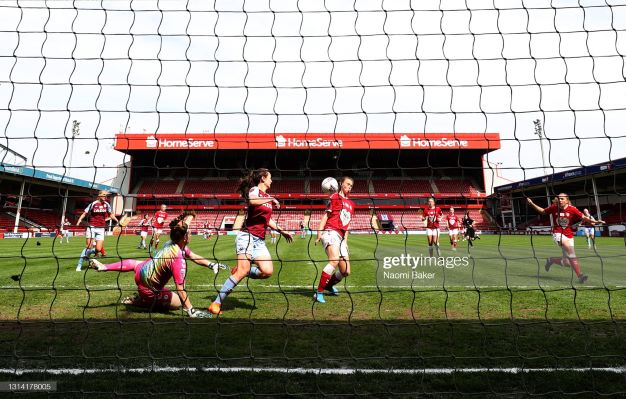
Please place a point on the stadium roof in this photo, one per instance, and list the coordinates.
(40, 174)
(125, 142)
(585, 171)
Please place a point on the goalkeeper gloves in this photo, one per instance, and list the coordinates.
(197, 314)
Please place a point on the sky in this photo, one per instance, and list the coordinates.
(313, 66)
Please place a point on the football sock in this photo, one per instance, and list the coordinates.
(125, 265)
(334, 279)
(326, 274)
(84, 255)
(226, 289)
(573, 262)
(556, 260)
(255, 273)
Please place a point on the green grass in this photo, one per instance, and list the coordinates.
(501, 310)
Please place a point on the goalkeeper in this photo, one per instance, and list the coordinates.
(153, 274)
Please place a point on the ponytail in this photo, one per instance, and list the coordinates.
(253, 178)
(178, 229)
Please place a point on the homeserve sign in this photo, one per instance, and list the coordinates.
(152, 142)
(406, 141)
(318, 142)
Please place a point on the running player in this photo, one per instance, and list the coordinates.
(302, 230)
(589, 230)
(206, 230)
(453, 228)
(433, 216)
(564, 214)
(250, 241)
(158, 221)
(333, 233)
(144, 225)
(98, 212)
(64, 231)
(151, 275)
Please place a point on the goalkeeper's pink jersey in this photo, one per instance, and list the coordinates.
(169, 262)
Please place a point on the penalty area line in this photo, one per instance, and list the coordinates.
(318, 371)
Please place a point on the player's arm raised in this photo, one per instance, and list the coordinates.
(537, 208)
(288, 236)
(591, 220)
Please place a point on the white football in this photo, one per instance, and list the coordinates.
(330, 185)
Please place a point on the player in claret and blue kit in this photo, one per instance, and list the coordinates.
(564, 215)
(98, 212)
(333, 233)
(250, 241)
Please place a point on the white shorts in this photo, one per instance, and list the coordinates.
(453, 232)
(96, 233)
(331, 237)
(432, 232)
(63, 232)
(559, 239)
(144, 234)
(590, 231)
(251, 245)
(157, 231)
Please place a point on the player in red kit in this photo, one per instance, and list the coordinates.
(158, 221)
(250, 241)
(564, 215)
(333, 233)
(453, 228)
(433, 215)
(98, 212)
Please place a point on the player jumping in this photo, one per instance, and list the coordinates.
(433, 217)
(98, 213)
(453, 228)
(158, 221)
(144, 225)
(151, 275)
(250, 242)
(564, 214)
(333, 232)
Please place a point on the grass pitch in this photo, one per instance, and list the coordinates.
(496, 308)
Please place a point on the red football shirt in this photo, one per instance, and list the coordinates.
(563, 219)
(159, 219)
(432, 217)
(340, 211)
(98, 212)
(258, 216)
(453, 221)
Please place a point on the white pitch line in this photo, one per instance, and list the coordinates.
(318, 371)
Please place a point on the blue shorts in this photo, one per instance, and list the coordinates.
(251, 245)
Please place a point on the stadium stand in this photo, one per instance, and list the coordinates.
(210, 187)
(289, 220)
(456, 187)
(402, 186)
(288, 186)
(158, 187)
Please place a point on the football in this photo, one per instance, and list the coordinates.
(330, 185)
